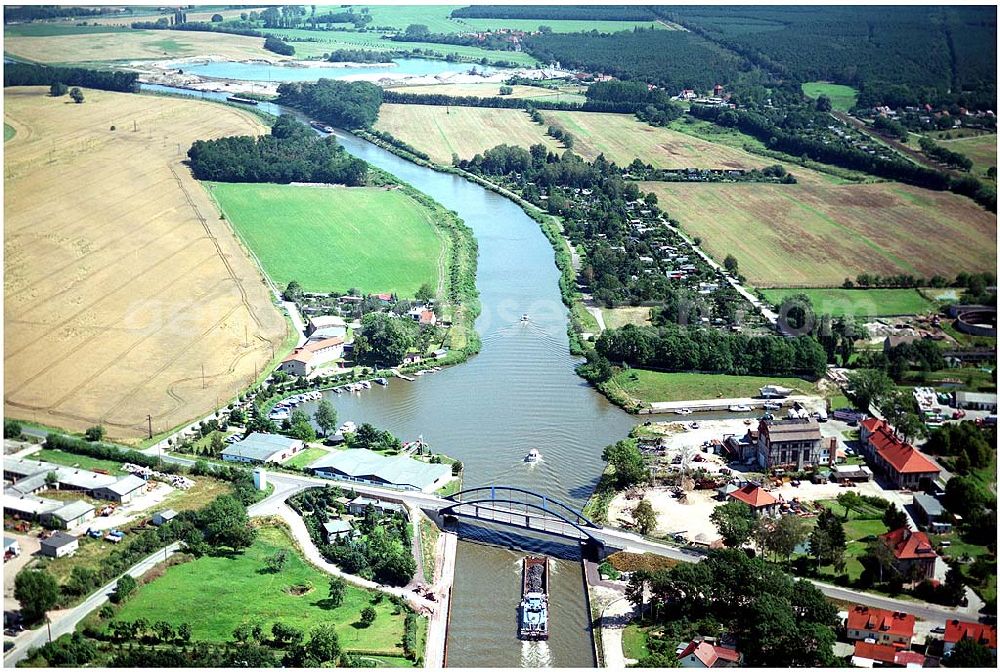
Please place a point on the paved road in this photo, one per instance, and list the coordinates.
(71, 618)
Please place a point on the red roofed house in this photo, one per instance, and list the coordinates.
(881, 625)
(955, 631)
(914, 555)
(903, 465)
(762, 502)
(699, 653)
(870, 654)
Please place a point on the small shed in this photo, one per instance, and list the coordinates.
(336, 529)
(163, 517)
(11, 546)
(59, 545)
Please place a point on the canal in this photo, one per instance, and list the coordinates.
(519, 393)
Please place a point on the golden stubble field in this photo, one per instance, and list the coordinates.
(122, 286)
(815, 235)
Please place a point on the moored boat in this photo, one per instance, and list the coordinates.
(242, 101)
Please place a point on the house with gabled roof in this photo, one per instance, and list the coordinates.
(880, 625)
(914, 556)
(757, 498)
(703, 653)
(983, 633)
(903, 465)
(873, 654)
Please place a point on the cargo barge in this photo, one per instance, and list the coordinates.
(320, 126)
(533, 612)
(244, 101)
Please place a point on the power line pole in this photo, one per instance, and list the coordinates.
(149, 419)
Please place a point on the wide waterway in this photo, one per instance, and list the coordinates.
(265, 72)
(519, 393)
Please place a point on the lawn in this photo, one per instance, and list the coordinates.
(863, 303)
(51, 29)
(306, 457)
(333, 239)
(651, 386)
(619, 317)
(859, 526)
(634, 641)
(817, 234)
(81, 461)
(204, 491)
(216, 593)
(8, 132)
(841, 97)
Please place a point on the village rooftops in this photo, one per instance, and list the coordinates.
(871, 619)
(909, 545)
(955, 631)
(754, 495)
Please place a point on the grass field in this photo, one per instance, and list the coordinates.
(634, 641)
(121, 285)
(619, 317)
(378, 240)
(438, 20)
(466, 131)
(53, 29)
(216, 593)
(818, 234)
(568, 94)
(8, 132)
(306, 457)
(120, 45)
(859, 302)
(841, 97)
(650, 386)
(982, 150)
(74, 460)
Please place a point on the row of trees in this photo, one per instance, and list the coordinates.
(679, 348)
(291, 153)
(945, 155)
(24, 74)
(278, 46)
(555, 12)
(349, 105)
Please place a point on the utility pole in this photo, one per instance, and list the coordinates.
(149, 419)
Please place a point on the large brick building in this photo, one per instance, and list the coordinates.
(794, 444)
(913, 554)
(902, 465)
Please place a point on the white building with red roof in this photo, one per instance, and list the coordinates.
(303, 361)
(903, 465)
(955, 631)
(757, 498)
(880, 625)
(701, 653)
(913, 554)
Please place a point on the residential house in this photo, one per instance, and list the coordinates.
(704, 653)
(793, 444)
(873, 654)
(336, 529)
(123, 491)
(365, 466)
(259, 448)
(59, 545)
(903, 465)
(932, 513)
(893, 341)
(914, 555)
(357, 506)
(762, 502)
(69, 515)
(955, 631)
(880, 625)
(163, 517)
(976, 401)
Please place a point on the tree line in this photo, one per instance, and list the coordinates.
(291, 153)
(25, 74)
(360, 56)
(793, 142)
(556, 12)
(624, 107)
(945, 155)
(27, 13)
(349, 105)
(278, 46)
(680, 348)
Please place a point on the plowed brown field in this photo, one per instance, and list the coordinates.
(122, 286)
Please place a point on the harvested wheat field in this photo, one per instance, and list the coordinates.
(815, 235)
(121, 284)
(135, 45)
(466, 131)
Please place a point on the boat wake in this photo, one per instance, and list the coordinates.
(536, 654)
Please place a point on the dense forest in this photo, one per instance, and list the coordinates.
(346, 104)
(680, 348)
(930, 54)
(579, 13)
(291, 153)
(24, 74)
(25, 13)
(667, 58)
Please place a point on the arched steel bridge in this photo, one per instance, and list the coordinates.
(517, 507)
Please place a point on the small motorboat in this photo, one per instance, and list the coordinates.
(748, 421)
(524, 317)
(533, 456)
(348, 428)
(695, 425)
(772, 405)
(683, 411)
(740, 408)
(382, 381)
